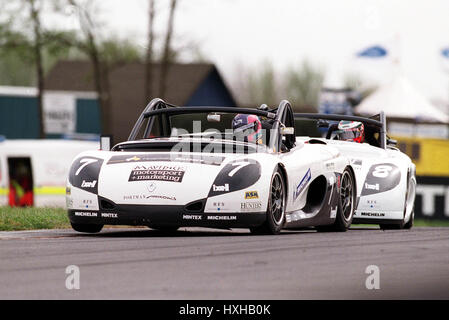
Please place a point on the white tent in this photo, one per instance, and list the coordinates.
(400, 99)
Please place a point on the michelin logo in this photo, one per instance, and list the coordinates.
(300, 187)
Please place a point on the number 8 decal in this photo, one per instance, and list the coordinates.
(382, 171)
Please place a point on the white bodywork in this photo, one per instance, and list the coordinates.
(370, 162)
(142, 178)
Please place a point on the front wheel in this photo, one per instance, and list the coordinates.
(276, 207)
(89, 228)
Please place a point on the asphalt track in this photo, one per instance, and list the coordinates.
(221, 264)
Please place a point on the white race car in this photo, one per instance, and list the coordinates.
(228, 167)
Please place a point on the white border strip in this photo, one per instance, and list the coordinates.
(32, 92)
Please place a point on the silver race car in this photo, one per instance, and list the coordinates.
(229, 167)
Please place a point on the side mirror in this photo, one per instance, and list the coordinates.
(105, 142)
(287, 130)
(213, 117)
(392, 142)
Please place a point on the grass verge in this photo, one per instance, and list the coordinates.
(13, 219)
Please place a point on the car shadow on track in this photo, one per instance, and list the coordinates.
(184, 232)
(201, 232)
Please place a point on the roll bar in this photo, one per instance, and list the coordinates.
(158, 106)
(381, 123)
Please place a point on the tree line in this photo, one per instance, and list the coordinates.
(28, 49)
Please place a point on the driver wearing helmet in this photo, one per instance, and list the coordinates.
(248, 127)
(351, 131)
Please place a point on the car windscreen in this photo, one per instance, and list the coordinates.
(248, 128)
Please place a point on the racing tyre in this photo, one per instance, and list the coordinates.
(276, 207)
(346, 204)
(89, 228)
(409, 224)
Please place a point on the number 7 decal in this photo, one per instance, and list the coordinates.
(86, 162)
(239, 165)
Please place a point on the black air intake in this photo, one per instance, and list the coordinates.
(195, 206)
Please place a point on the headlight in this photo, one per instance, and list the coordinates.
(236, 175)
(84, 173)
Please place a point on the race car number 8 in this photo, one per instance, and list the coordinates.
(382, 171)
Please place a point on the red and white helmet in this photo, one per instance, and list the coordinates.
(248, 126)
(351, 131)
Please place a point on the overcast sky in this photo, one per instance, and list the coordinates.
(326, 32)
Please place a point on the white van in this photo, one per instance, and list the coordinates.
(48, 163)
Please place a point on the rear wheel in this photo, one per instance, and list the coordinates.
(276, 207)
(89, 228)
(346, 204)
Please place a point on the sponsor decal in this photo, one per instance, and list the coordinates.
(109, 215)
(169, 157)
(251, 205)
(144, 196)
(84, 163)
(219, 205)
(192, 217)
(84, 173)
(85, 214)
(330, 166)
(372, 214)
(372, 186)
(68, 191)
(224, 188)
(87, 184)
(162, 197)
(371, 203)
(381, 178)
(87, 203)
(157, 172)
(251, 195)
(301, 185)
(239, 175)
(221, 217)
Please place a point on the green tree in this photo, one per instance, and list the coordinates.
(27, 42)
(303, 85)
(104, 54)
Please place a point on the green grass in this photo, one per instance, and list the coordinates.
(12, 219)
(416, 223)
(431, 223)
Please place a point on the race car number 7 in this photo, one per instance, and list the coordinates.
(86, 162)
(382, 171)
(239, 165)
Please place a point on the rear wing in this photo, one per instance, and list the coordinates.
(381, 124)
